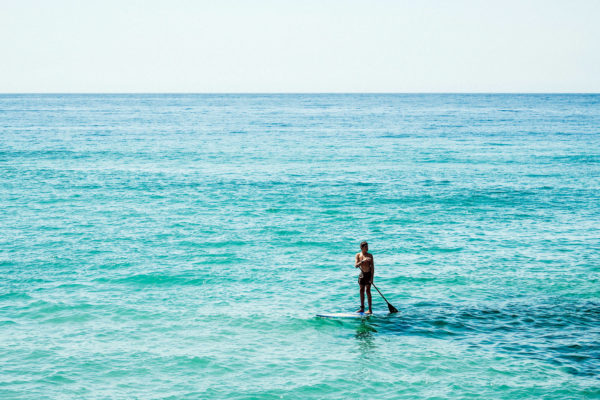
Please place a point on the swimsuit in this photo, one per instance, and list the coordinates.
(365, 277)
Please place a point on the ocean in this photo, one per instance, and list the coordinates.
(176, 246)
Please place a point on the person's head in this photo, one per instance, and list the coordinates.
(364, 247)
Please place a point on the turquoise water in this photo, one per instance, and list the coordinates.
(179, 246)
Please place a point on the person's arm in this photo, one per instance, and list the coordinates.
(358, 263)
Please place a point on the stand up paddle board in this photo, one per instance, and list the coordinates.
(352, 314)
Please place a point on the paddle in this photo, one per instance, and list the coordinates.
(390, 307)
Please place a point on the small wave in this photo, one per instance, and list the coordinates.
(58, 378)
(15, 296)
(158, 279)
(395, 136)
(411, 279)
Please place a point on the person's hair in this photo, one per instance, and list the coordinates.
(363, 244)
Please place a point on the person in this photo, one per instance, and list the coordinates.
(364, 261)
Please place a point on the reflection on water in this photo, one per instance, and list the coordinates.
(365, 339)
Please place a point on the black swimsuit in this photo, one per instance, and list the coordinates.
(365, 277)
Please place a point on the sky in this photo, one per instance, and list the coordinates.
(258, 46)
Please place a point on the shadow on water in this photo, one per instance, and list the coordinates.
(566, 335)
(365, 338)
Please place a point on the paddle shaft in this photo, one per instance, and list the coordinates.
(390, 307)
(380, 293)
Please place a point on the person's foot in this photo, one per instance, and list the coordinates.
(370, 312)
(360, 310)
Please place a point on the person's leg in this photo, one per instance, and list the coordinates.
(368, 288)
(362, 299)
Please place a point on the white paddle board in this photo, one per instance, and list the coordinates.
(351, 314)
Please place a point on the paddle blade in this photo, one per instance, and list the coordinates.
(392, 308)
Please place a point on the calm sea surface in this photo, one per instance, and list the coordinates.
(179, 246)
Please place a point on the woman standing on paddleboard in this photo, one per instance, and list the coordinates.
(364, 261)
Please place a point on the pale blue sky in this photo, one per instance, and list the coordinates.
(299, 46)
